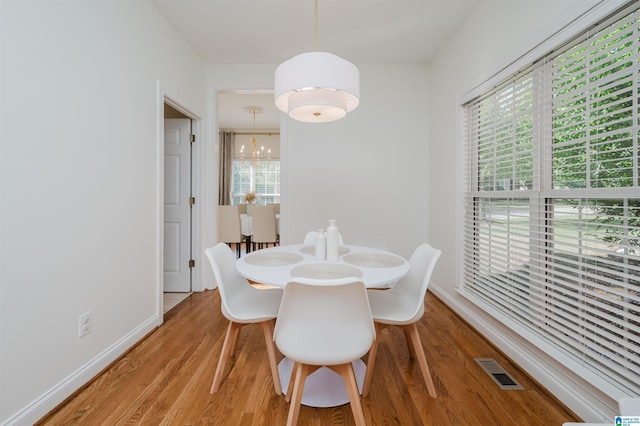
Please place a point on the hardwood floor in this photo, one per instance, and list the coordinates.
(165, 379)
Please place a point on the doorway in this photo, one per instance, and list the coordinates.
(179, 199)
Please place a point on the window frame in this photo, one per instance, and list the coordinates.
(539, 194)
(254, 172)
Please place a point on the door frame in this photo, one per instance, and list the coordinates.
(196, 129)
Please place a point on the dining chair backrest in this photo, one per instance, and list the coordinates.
(229, 226)
(235, 290)
(327, 324)
(414, 285)
(264, 224)
(276, 207)
(310, 238)
(324, 324)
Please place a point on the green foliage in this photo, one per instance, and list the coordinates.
(594, 135)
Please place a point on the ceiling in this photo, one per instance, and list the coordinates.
(231, 114)
(272, 31)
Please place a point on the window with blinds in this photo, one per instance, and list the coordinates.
(552, 201)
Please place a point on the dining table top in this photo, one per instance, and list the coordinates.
(279, 265)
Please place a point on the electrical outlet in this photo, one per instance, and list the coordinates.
(84, 324)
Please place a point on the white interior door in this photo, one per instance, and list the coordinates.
(177, 206)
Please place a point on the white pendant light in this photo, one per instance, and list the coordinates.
(317, 87)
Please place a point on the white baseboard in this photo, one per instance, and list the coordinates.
(57, 394)
(579, 396)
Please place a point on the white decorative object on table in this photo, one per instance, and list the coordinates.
(321, 245)
(332, 241)
(250, 198)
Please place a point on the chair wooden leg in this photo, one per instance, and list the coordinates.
(267, 327)
(234, 339)
(301, 372)
(371, 361)
(410, 348)
(412, 330)
(349, 377)
(225, 353)
(287, 396)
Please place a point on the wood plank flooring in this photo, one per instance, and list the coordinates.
(165, 380)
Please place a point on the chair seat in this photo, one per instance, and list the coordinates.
(394, 308)
(253, 305)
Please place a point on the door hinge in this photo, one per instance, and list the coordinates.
(192, 138)
(192, 201)
(192, 263)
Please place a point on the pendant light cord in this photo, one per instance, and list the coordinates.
(316, 25)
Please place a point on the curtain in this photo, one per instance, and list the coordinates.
(227, 144)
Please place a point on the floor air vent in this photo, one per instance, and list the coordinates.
(498, 374)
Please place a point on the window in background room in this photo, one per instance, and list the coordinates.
(261, 178)
(552, 203)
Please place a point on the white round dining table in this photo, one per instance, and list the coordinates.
(279, 265)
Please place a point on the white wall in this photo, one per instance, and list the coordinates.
(79, 174)
(368, 171)
(497, 32)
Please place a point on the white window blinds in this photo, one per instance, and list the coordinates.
(552, 202)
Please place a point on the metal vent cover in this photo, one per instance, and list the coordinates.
(498, 374)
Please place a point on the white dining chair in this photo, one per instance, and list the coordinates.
(403, 306)
(264, 226)
(276, 207)
(242, 304)
(310, 238)
(230, 228)
(324, 325)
